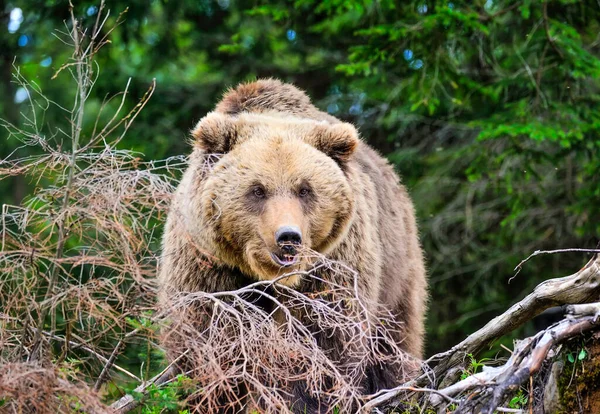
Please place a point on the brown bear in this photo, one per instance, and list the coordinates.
(288, 175)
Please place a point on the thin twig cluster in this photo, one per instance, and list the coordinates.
(247, 355)
(78, 256)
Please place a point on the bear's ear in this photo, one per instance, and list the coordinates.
(215, 133)
(336, 140)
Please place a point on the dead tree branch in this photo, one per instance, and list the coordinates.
(77, 258)
(494, 383)
(577, 288)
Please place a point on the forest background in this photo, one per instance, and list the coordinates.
(489, 110)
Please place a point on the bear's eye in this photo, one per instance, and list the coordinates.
(304, 192)
(258, 192)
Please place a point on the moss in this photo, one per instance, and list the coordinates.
(579, 381)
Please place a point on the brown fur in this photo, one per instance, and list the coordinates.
(357, 212)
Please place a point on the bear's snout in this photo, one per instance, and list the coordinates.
(288, 236)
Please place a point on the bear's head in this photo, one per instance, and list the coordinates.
(278, 190)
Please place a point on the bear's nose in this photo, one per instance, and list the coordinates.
(287, 235)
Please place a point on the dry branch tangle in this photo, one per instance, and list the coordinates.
(77, 262)
(231, 350)
(494, 382)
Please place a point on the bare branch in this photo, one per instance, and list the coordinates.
(576, 288)
(526, 360)
(539, 252)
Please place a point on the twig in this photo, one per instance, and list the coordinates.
(77, 345)
(539, 252)
(547, 29)
(383, 396)
(111, 360)
(128, 402)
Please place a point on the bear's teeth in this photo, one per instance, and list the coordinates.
(284, 259)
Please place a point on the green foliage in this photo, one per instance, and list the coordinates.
(143, 321)
(474, 367)
(519, 400)
(69, 368)
(416, 409)
(165, 399)
(580, 355)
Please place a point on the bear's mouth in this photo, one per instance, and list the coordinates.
(285, 259)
